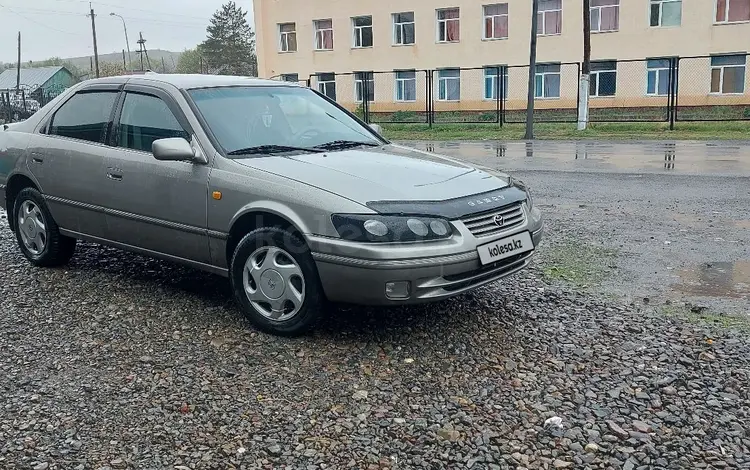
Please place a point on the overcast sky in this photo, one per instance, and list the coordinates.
(60, 28)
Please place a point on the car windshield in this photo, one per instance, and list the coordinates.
(271, 119)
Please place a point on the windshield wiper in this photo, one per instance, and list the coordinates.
(270, 149)
(345, 144)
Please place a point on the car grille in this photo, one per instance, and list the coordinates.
(483, 225)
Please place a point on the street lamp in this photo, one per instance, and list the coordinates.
(127, 43)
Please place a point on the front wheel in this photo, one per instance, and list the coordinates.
(37, 233)
(275, 282)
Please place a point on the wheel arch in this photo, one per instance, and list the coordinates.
(252, 218)
(16, 183)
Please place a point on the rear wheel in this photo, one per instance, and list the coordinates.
(37, 233)
(275, 282)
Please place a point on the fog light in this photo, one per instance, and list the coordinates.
(397, 290)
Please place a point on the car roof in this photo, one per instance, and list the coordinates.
(190, 81)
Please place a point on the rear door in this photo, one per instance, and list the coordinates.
(67, 159)
(156, 205)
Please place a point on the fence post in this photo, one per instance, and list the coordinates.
(430, 91)
(502, 94)
(674, 90)
(498, 87)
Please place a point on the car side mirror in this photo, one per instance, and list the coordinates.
(376, 127)
(174, 149)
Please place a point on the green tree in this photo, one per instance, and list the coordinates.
(190, 61)
(230, 46)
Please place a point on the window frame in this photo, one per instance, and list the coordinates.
(369, 76)
(726, 14)
(494, 18)
(322, 85)
(320, 33)
(109, 126)
(722, 69)
(284, 38)
(599, 9)
(441, 25)
(155, 93)
(598, 78)
(446, 79)
(661, 3)
(658, 71)
(544, 81)
(358, 30)
(397, 26)
(502, 72)
(400, 84)
(544, 21)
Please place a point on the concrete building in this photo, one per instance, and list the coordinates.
(340, 42)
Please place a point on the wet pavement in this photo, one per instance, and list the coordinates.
(683, 157)
(676, 213)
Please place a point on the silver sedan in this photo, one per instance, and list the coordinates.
(270, 184)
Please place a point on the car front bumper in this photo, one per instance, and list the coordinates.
(362, 279)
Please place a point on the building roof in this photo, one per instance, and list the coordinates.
(30, 78)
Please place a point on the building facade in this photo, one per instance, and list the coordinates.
(478, 50)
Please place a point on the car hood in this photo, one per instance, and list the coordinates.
(388, 173)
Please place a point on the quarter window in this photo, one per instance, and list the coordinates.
(85, 116)
(145, 119)
(666, 12)
(406, 85)
(731, 11)
(403, 28)
(449, 85)
(327, 84)
(323, 35)
(288, 37)
(549, 17)
(547, 81)
(605, 15)
(448, 25)
(657, 82)
(603, 78)
(364, 83)
(728, 74)
(362, 26)
(496, 21)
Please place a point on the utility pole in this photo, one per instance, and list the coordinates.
(163, 66)
(124, 64)
(18, 65)
(532, 72)
(583, 90)
(143, 50)
(93, 32)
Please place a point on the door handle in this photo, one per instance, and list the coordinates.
(114, 174)
(36, 159)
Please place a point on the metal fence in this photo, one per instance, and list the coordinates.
(700, 88)
(19, 104)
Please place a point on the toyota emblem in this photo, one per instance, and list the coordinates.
(499, 220)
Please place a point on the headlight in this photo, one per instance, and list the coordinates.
(377, 228)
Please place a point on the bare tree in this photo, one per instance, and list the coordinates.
(532, 72)
(583, 90)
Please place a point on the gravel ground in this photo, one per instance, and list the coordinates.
(123, 362)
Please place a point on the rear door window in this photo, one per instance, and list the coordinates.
(144, 119)
(85, 116)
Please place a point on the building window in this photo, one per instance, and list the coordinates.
(449, 85)
(403, 28)
(547, 81)
(290, 77)
(732, 11)
(362, 27)
(288, 37)
(496, 21)
(364, 81)
(603, 78)
(323, 35)
(493, 86)
(448, 25)
(728, 74)
(658, 77)
(605, 15)
(666, 12)
(327, 84)
(549, 18)
(406, 85)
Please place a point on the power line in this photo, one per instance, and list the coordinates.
(38, 23)
(134, 9)
(38, 11)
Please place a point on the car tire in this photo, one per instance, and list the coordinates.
(275, 282)
(37, 232)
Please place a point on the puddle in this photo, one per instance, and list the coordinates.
(721, 279)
